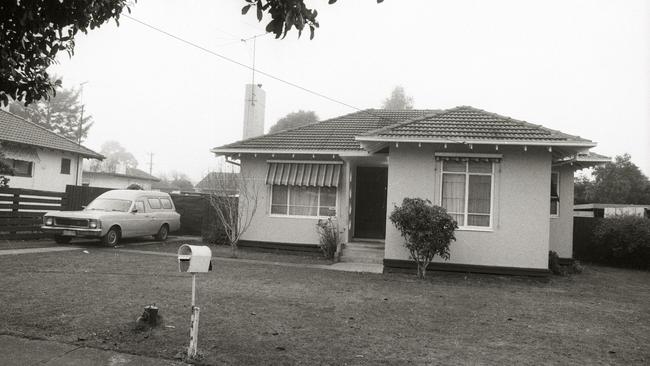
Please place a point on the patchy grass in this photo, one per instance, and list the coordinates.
(265, 314)
(243, 253)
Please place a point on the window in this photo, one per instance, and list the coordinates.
(303, 201)
(154, 203)
(139, 205)
(21, 168)
(467, 192)
(166, 203)
(555, 194)
(65, 166)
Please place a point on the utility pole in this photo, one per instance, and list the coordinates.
(150, 163)
(80, 131)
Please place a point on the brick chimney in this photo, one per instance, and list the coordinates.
(254, 103)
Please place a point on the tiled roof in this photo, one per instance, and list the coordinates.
(334, 134)
(216, 181)
(18, 130)
(130, 173)
(468, 124)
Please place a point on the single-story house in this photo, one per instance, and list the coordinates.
(41, 159)
(120, 178)
(508, 184)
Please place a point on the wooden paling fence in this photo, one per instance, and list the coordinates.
(21, 211)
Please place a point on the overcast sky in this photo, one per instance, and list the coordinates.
(582, 67)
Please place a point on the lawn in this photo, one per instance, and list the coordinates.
(266, 314)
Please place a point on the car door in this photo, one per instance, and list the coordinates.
(139, 219)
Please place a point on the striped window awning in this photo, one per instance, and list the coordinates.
(304, 174)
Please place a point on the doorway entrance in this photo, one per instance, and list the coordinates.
(370, 203)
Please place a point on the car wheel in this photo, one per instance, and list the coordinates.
(162, 233)
(62, 239)
(112, 237)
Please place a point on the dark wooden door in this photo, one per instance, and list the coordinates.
(370, 203)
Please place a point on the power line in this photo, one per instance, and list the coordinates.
(253, 69)
(240, 63)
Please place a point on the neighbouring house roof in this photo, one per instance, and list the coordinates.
(471, 125)
(132, 173)
(590, 206)
(350, 132)
(332, 135)
(215, 181)
(18, 130)
(584, 160)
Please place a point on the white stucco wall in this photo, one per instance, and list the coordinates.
(291, 230)
(520, 234)
(561, 230)
(107, 181)
(46, 172)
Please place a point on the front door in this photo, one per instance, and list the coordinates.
(370, 204)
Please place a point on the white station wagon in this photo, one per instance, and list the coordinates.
(114, 215)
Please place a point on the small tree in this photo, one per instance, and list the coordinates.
(427, 229)
(235, 212)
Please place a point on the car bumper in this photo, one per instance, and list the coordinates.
(66, 231)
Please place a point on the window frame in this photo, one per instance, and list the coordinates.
(69, 166)
(287, 215)
(156, 199)
(466, 213)
(12, 164)
(557, 184)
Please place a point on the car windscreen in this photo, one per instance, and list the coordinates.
(109, 204)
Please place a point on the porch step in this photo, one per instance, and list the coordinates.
(363, 252)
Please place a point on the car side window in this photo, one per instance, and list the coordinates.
(154, 203)
(166, 203)
(139, 205)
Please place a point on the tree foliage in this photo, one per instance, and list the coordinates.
(293, 120)
(60, 114)
(620, 181)
(115, 155)
(285, 15)
(427, 229)
(33, 32)
(398, 100)
(622, 240)
(4, 169)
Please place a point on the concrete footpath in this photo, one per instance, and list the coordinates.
(17, 351)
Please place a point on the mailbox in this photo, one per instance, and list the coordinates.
(194, 258)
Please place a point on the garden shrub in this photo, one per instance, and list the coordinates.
(328, 232)
(623, 241)
(427, 229)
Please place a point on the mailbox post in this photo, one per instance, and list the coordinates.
(194, 259)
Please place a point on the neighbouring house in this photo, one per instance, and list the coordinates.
(508, 184)
(41, 159)
(610, 209)
(120, 178)
(219, 183)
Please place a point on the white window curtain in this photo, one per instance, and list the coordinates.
(467, 191)
(303, 201)
(453, 196)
